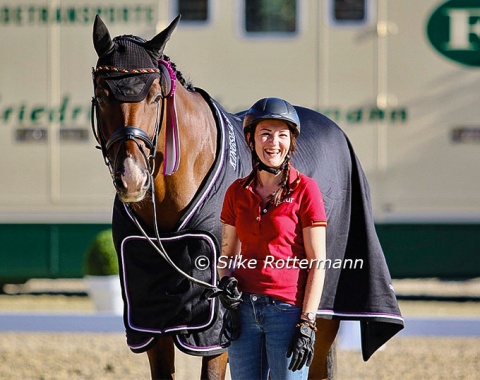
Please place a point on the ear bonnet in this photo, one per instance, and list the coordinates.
(130, 64)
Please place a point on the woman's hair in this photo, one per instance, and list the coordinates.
(278, 196)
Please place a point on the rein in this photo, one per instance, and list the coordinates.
(135, 134)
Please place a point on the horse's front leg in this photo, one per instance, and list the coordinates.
(214, 367)
(162, 359)
(321, 367)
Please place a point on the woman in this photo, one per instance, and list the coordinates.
(273, 242)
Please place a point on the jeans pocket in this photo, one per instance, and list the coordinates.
(286, 307)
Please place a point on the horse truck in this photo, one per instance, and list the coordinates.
(400, 77)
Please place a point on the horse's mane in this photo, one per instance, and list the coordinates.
(184, 82)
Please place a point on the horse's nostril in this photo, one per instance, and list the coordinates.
(146, 184)
(118, 179)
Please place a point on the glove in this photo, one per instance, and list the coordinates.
(301, 348)
(231, 298)
(229, 295)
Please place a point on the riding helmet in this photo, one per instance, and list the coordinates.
(272, 108)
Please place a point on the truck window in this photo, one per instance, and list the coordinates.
(271, 16)
(349, 12)
(193, 10)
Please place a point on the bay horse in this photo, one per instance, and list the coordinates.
(172, 151)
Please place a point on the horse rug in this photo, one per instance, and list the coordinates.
(157, 299)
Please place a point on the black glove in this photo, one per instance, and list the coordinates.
(231, 298)
(229, 295)
(301, 348)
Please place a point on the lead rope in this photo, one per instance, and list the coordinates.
(230, 323)
(158, 246)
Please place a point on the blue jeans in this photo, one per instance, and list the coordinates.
(267, 329)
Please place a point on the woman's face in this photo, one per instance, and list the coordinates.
(272, 142)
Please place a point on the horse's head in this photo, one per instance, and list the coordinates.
(131, 85)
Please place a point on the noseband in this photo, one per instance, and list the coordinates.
(137, 135)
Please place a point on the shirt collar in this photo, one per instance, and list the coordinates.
(294, 179)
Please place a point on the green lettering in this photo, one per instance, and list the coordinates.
(333, 113)
(59, 115)
(35, 115)
(6, 113)
(125, 14)
(44, 15)
(28, 14)
(376, 114)
(31, 15)
(58, 15)
(149, 15)
(75, 113)
(72, 15)
(398, 115)
(21, 113)
(5, 15)
(99, 12)
(355, 116)
(111, 14)
(85, 15)
(138, 13)
(18, 15)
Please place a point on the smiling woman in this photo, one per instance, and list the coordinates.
(272, 142)
(291, 225)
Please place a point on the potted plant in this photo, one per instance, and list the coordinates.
(101, 273)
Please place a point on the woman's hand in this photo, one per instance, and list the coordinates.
(301, 348)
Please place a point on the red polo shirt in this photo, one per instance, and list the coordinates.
(273, 260)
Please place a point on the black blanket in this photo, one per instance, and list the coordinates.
(159, 300)
(358, 284)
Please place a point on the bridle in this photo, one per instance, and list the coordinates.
(132, 133)
(137, 135)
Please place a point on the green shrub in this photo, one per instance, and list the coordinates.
(101, 258)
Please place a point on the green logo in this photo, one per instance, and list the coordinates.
(454, 31)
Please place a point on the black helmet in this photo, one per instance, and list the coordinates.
(272, 108)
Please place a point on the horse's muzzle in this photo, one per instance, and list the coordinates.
(131, 181)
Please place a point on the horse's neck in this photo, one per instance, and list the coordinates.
(198, 139)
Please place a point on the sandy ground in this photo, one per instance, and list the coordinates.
(45, 356)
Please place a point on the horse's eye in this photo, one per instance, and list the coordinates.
(101, 96)
(156, 99)
(100, 100)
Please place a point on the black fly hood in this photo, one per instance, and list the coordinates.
(129, 70)
(129, 65)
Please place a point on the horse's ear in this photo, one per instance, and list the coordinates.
(101, 38)
(156, 45)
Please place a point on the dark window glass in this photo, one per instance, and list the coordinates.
(349, 10)
(193, 10)
(263, 16)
